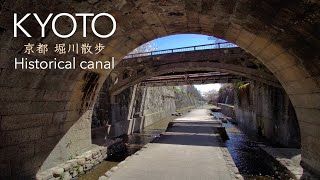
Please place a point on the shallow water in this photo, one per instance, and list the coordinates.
(133, 143)
(138, 140)
(98, 170)
(250, 159)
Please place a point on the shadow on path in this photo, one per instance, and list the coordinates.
(196, 133)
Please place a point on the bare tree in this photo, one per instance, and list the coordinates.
(211, 96)
(217, 40)
(147, 47)
(226, 94)
(191, 89)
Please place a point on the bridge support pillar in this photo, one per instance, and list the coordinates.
(118, 127)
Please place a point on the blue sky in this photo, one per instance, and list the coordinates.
(183, 40)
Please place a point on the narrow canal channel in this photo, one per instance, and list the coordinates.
(133, 143)
(253, 163)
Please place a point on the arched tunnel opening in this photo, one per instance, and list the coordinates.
(260, 108)
(46, 115)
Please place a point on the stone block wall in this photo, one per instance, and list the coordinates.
(185, 98)
(150, 104)
(267, 111)
(76, 141)
(290, 49)
(75, 166)
(159, 104)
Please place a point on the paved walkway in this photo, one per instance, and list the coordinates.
(188, 150)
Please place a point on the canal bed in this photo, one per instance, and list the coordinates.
(250, 159)
(252, 162)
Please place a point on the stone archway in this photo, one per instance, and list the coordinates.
(38, 109)
(233, 60)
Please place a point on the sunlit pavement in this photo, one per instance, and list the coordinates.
(189, 149)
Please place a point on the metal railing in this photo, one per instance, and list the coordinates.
(183, 49)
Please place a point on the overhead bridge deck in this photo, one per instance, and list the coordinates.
(211, 63)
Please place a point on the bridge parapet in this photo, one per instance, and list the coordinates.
(232, 60)
(219, 45)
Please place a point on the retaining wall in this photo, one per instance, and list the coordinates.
(227, 110)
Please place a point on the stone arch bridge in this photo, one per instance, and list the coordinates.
(45, 114)
(233, 61)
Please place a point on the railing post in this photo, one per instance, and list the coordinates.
(183, 49)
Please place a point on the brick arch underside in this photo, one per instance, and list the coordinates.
(42, 112)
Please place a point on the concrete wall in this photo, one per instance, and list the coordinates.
(76, 141)
(227, 110)
(134, 109)
(267, 111)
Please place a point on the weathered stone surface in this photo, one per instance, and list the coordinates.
(267, 111)
(88, 156)
(88, 166)
(73, 167)
(108, 173)
(57, 171)
(114, 169)
(103, 178)
(156, 65)
(275, 26)
(73, 162)
(290, 159)
(74, 173)
(66, 176)
(67, 166)
(81, 170)
(81, 161)
(44, 175)
(159, 103)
